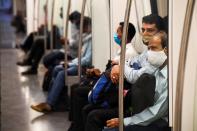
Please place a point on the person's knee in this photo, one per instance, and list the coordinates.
(57, 69)
(94, 117)
(110, 129)
(61, 75)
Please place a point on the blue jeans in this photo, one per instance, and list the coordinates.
(59, 84)
(52, 59)
(137, 128)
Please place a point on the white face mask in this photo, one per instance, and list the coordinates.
(156, 58)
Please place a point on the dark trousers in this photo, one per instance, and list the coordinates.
(52, 59)
(27, 44)
(35, 54)
(95, 119)
(140, 128)
(79, 98)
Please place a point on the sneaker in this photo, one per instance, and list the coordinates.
(42, 107)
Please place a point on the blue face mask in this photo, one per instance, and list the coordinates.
(117, 40)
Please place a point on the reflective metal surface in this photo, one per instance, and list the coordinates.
(181, 67)
(18, 93)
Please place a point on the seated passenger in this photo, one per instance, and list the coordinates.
(151, 24)
(34, 48)
(37, 51)
(18, 22)
(52, 59)
(55, 57)
(158, 112)
(79, 95)
(29, 39)
(59, 81)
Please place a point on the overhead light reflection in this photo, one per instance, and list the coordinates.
(23, 78)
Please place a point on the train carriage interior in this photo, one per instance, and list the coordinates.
(98, 65)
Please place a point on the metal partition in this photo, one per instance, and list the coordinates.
(181, 66)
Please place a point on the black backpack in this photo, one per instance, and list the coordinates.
(142, 93)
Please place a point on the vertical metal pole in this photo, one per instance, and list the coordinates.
(80, 39)
(181, 66)
(122, 63)
(34, 13)
(34, 20)
(110, 34)
(52, 16)
(46, 26)
(66, 38)
(38, 16)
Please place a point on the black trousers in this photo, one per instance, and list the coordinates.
(95, 118)
(26, 46)
(35, 54)
(79, 98)
(52, 59)
(141, 128)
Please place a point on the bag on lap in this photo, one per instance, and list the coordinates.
(104, 92)
(47, 80)
(142, 93)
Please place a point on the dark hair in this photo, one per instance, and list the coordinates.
(87, 22)
(131, 31)
(154, 19)
(75, 16)
(61, 12)
(165, 21)
(164, 38)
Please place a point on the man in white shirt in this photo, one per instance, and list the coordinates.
(151, 25)
(145, 120)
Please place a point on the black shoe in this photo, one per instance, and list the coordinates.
(23, 63)
(29, 72)
(72, 127)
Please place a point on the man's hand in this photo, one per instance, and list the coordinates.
(63, 40)
(114, 62)
(93, 72)
(115, 74)
(113, 123)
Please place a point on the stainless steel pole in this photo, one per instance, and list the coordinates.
(52, 16)
(80, 39)
(181, 66)
(122, 63)
(66, 38)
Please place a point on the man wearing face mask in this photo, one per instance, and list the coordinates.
(151, 24)
(134, 68)
(53, 58)
(130, 50)
(150, 118)
(79, 95)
